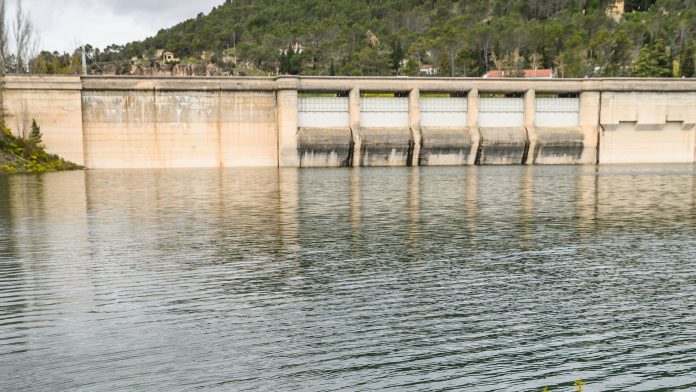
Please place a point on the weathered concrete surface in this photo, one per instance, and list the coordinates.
(151, 129)
(530, 124)
(248, 133)
(632, 143)
(588, 119)
(324, 147)
(556, 146)
(502, 146)
(54, 102)
(414, 120)
(385, 147)
(473, 122)
(354, 119)
(647, 127)
(445, 146)
(287, 124)
(126, 83)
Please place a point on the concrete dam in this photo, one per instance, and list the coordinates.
(132, 122)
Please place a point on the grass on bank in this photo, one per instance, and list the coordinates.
(28, 155)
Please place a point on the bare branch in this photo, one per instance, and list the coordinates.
(25, 38)
(4, 36)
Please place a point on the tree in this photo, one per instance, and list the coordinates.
(654, 61)
(36, 135)
(25, 39)
(450, 44)
(600, 50)
(4, 36)
(444, 66)
(294, 62)
(412, 67)
(572, 61)
(283, 63)
(397, 55)
(686, 61)
(332, 68)
(620, 56)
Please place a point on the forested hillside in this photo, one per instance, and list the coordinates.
(460, 38)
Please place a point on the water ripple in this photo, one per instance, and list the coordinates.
(423, 279)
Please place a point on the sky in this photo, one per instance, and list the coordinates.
(64, 25)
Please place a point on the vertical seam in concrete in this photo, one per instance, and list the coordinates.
(156, 128)
(219, 128)
(278, 127)
(599, 129)
(84, 130)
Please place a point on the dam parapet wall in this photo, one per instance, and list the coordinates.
(140, 122)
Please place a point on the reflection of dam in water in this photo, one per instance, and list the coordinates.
(277, 205)
(129, 122)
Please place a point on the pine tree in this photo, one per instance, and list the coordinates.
(36, 134)
(397, 55)
(283, 61)
(293, 62)
(654, 61)
(686, 61)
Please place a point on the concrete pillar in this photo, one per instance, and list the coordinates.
(589, 124)
(473, 124)
(414, 122)
(287, 122)
(354, 113)
(530, 124)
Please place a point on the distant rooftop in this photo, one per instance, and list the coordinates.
(527, 73)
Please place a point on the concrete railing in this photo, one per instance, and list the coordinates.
(443, 112)
(183, 122)
(557, 112)
(323, 112)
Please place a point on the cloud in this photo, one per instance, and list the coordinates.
(66, 24)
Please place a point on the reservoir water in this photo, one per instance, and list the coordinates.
(469, 278)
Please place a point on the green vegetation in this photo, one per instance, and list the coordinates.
(396, 37)
(27, 154)
(579, 386)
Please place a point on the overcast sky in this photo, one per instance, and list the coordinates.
(66, 24)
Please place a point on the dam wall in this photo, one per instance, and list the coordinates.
(139, 122)
(56, 105)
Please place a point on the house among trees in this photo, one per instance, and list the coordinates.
(297, 48)
(428, 70)
(169, 57)
(545, 73)
(616, 9)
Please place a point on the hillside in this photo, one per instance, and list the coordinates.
(459, 38)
